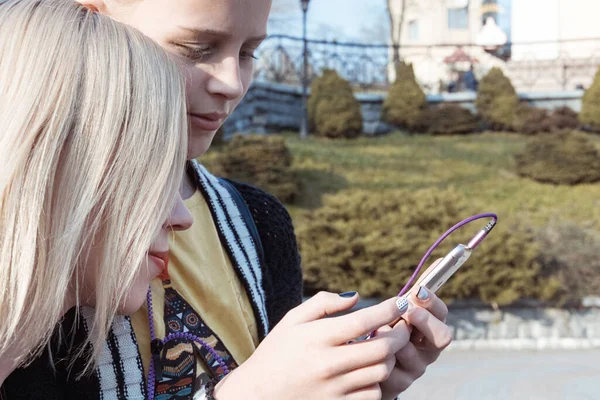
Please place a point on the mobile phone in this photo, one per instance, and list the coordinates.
(433, 280)
(440, 274)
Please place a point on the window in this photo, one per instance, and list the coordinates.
(458, 18)
(413, 30)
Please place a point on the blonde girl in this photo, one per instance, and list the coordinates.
(93, 137)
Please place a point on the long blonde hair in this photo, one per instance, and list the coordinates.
(93, 140)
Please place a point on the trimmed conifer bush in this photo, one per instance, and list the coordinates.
(372, 242)
(567, 158)
(531, 120)
(405, 102)
(497, 101)
(590, 106)
(564, 118)
(333, 110)
(262, 161)
(450, 119)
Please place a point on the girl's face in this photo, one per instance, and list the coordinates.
(215, 41)
(157, 259)
(154, 264)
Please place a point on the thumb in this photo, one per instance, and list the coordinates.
(321, 305)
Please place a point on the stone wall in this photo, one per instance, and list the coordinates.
(521, 327)
(272, 108)
(525, 329)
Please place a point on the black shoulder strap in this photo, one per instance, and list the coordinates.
(246, 215)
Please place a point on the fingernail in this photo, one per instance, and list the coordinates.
(423, 294)
(402, 305)
(348, 295)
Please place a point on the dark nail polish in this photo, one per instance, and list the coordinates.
(348, 295)
(423, 294)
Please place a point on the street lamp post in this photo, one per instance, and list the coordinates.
(304, 122)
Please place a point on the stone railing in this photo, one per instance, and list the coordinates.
(526, 326)
(272, 108)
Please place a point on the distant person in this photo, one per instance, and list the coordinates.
(470, 81)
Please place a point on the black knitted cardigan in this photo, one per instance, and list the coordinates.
(119, 374)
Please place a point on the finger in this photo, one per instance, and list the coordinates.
(367, 376)
(412, 361)
(416, 286)
(434, 330)
(372, 392)
(410, 365)
(355, 324)
(428, 300)
(321, 305)
(362, 354)
(398, 382)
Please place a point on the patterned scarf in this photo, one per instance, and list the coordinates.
(178, 377)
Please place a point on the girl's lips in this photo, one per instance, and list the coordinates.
(161, 259)
(206, 123)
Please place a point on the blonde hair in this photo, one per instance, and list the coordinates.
(92, 146)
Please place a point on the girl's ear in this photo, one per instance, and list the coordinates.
(95, 5)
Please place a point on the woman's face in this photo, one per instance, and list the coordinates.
(154, 264)
(215, 40)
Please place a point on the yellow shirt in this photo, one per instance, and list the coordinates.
(201, 272)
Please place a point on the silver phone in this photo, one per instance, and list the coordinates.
(434, 279)
(446, 268)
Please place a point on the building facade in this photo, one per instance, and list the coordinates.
(542, 45)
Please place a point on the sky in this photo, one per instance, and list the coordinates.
(342, 20)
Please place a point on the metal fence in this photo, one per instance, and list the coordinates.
(572, 63)
(364, 65)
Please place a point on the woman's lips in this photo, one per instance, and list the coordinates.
(207, 122)
(161, 260)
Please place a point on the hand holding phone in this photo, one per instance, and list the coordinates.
(439, 273)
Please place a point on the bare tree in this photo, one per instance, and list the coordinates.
(284, 12)
(377, 32)
(397, 10)
(396, 27)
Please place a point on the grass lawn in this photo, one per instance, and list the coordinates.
(480, 166)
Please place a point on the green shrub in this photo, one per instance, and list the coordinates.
(317, 92)
(562, 158)
(372, 242)
(449, 119)
(571, 254)
(219, 138)
(531, 120)
(590, 105)
(333, 111)
(497, 101)
(405, 101)
(263, 161)
(564, 118)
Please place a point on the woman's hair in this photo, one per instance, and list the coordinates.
(93, 141)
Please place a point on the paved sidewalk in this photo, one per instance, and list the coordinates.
(508, 375)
